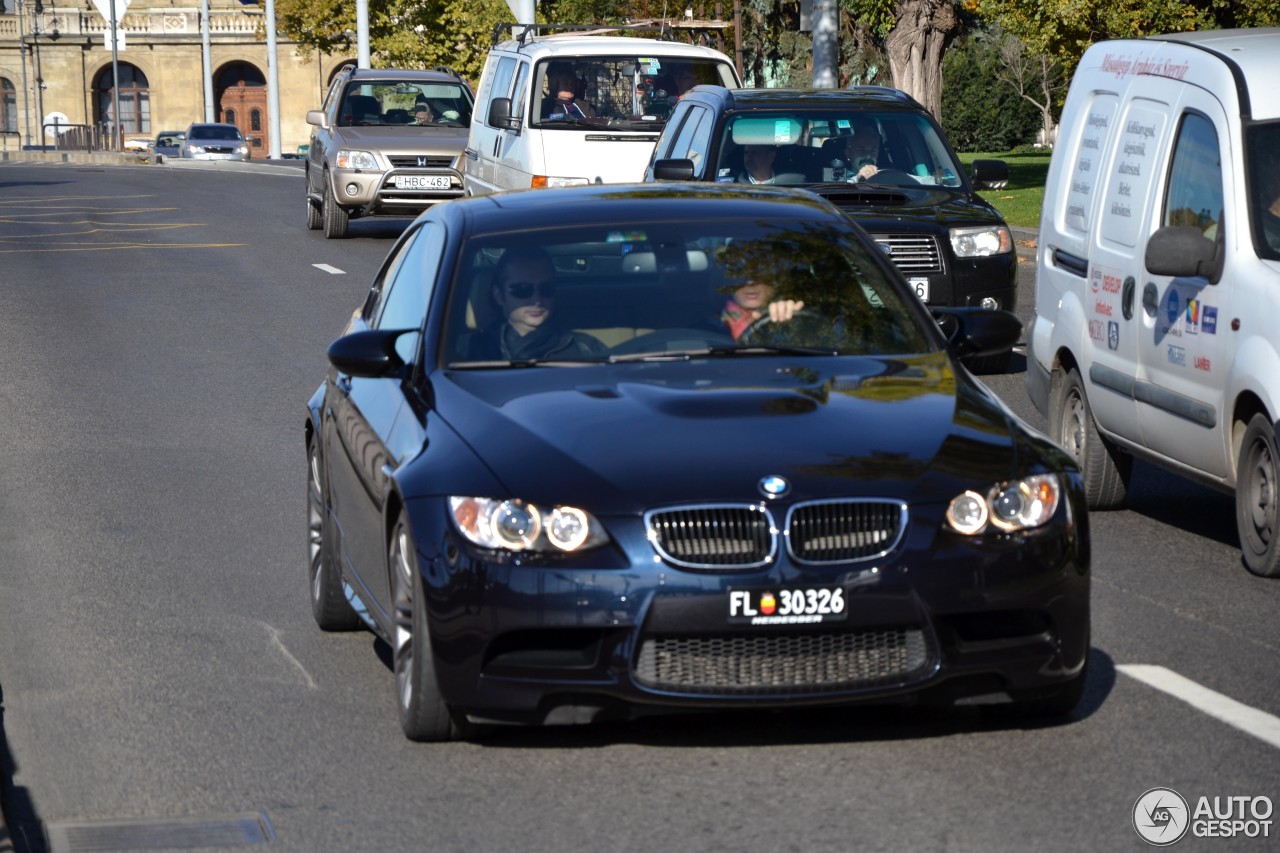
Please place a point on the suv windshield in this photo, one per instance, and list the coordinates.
(835, 146)
(629, 92)
(399, 102)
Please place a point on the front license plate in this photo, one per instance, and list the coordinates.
(921, 287)
(422, 182)
(787, 606)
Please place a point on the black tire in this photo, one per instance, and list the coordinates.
(1258, 498)
(1106, 468)
(329, 605)
(335, 219)
(424, 716)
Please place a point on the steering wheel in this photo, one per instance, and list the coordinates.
(894, 177)
(664, 339)
(758, 327)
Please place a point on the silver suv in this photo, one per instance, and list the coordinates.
(385, 142)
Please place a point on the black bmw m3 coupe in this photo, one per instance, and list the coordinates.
(596, 452)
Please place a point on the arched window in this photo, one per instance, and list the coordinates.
(255, 119)
(8, 107)
(229, 116)
(134, 98)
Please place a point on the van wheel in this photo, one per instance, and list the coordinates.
(1258, 498)
(1106, 468)
(335, 218)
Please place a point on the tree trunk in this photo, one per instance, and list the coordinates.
(916, 45)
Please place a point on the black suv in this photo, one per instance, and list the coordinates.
(385, 142)
(878, 155)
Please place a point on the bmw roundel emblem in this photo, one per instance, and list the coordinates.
(774, 486)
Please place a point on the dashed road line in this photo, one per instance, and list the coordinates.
(329, 269)
(1247, 719)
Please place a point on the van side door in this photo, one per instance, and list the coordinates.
(1183, 354)
(520, 149)
(481, 154)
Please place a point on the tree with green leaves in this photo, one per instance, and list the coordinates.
(1064, 29)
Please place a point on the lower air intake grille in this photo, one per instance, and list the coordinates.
(780, 663)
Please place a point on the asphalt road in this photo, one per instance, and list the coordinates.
(163, 686)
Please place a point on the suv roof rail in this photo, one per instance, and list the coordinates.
(663, 29)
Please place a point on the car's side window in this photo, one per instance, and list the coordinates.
(409, 283)
(1195, 178)
(502, 80)
(518, 94)
(693, 139)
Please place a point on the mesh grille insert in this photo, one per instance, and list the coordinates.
(781, 663)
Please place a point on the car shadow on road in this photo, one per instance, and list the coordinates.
(1177, 502)
(849, 724)
(23, 833)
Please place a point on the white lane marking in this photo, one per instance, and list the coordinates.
(329, 269)
(1247, 719)
(275, 638)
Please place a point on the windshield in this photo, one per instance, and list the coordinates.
(398, 102)
(626, 92)
(1262, 148)
(627, 292)
(835, 146)
(214, 131)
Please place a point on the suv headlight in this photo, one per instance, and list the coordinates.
(1008, 507)
(515, 525)
(348, 159)
(981, 241)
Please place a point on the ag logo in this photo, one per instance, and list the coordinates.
(1161, 816)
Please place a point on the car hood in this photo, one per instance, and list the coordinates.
(627, 437)
(892, 205)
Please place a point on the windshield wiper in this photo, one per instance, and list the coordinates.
(686, 354)
(518, 362)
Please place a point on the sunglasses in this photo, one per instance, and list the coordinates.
(525, 289)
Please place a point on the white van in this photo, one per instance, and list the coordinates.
(1156, 330)
(623, 89)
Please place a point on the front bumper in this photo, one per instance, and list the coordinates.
(377, 192)
(941, 618)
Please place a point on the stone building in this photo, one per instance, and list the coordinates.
(56, 67)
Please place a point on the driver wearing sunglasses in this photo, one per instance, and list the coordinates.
(524, 288)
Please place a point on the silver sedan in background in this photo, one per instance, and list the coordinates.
(215, 142)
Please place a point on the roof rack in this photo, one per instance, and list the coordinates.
(445, 69)
(663, 29)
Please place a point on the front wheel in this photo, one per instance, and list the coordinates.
(329, 606)
(1258, 497)
(424, 716)
(334, 217)
(1106, 468)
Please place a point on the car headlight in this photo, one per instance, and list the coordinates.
(516, 525)
(1020, 505)
(981, 242)
(195, 149)
(243, 149)
(348, 159)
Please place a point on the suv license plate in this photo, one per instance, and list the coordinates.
(419, 182)
(921, 287)
(787, 606)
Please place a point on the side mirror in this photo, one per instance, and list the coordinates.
(500, 115)
(1183, 250)
(673, 170)
(315, 117)
(370, 354)
(991, 174)
(978, 331)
